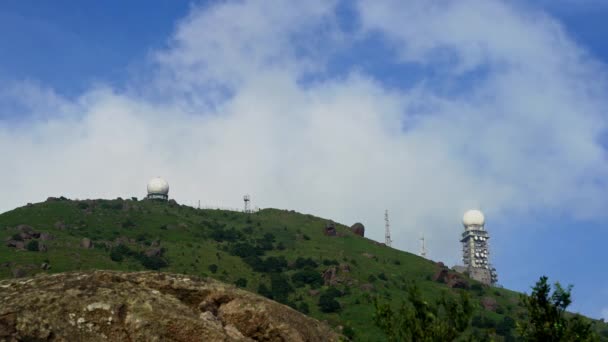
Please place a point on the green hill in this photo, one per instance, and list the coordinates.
(277, 253)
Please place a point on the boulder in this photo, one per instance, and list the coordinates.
(313, 292)
(45, 266)
(358, 228)
(145, 306)
(330, 229)
(86, 243)
(154, 252)
(46, 237)
(489, 303)
(367, 287)
(451, 279)
(330, 275)
(15, 244)
(24, 228)
(42, 247)
(60, 225)
(18, 272)
(345, 268)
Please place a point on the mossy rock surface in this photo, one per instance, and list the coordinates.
(145, 306)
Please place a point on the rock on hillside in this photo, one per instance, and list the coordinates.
(145, 306)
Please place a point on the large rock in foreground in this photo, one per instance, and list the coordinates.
(145, 306)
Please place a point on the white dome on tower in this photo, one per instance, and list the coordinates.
(473, 218)
(158, 186)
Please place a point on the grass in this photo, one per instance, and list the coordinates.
(195, 239)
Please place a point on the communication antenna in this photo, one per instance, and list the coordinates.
(199, 204)
(423, 248)
(246, 199)
(387, 230)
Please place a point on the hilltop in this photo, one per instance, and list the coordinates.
(320, 268)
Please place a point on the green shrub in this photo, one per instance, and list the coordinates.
(280, 286)
(304, 263)
(328, 303)
(303, 308)
(241, 282)
(213, 268)
(128, 223)
(307, 277)
(153, 262)
(328, 262)
(33, 246)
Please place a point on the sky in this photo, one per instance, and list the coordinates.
(336, 108)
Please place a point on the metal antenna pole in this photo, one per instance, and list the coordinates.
(387, 230)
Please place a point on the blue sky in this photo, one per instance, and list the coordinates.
(424, 108)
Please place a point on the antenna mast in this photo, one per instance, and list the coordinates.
(246, 199)
(387, 230)
(423, 248)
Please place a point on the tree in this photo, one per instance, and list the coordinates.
(546, 319)
(328, 303)
(419, 320)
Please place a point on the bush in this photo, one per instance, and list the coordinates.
(264, 291)
(328, 262)
(307, 277)
(305, 262)
(241, 282)
(33, 246)
(213, 268)
(348, 332)
(17, 237)
(382, 276)
(504, 327)
(371, 278)
(243, 250)
(268, 265)
(153, 262)
(280, 286)
(328, 303)
(128, 223)
(478, 289)
(303, 308)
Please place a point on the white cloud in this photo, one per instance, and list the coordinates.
(225, 115)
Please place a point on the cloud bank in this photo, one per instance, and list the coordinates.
(507, 115)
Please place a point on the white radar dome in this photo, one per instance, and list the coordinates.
(473, 218)
(158, 186)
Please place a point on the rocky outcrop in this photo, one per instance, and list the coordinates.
(335, 275)
(154, 252)
(358, 229)
(145, 306)
(489, 303)
(330, 229)
(451, 279)
(86, 243)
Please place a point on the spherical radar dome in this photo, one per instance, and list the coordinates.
(158, 186)
(473, 218)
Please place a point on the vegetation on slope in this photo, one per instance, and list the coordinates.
(280, 254)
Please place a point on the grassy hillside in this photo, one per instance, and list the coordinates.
(277, 253)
